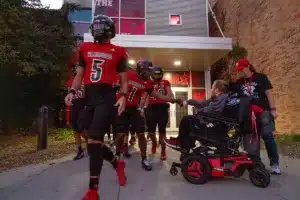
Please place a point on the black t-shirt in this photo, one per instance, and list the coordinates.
(257, 89)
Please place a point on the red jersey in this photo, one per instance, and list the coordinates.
(159, 87)
(136, 87)
(74, 59)
(101, 62)
(79, 93)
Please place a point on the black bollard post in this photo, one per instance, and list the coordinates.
(42, 136)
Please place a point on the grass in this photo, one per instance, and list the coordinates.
(288, 144)
(19, 150)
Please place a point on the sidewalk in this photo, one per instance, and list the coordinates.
(68, 180)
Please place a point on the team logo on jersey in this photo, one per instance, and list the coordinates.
(209, 125)
(135, 84)
(233, 102)
(107, 56)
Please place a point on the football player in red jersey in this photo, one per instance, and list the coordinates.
(99, 62)
(157, 111)
(77, 108)
(133, 116)
(78, 118)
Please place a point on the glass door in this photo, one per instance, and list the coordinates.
(177, 112)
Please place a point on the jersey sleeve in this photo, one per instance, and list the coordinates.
(266, 83)
(167, 83)
(122, 64)
(69, 83)
(81, 61)
(149, 87)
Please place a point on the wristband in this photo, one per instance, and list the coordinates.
(72, 91)
(123, 94)
(141, 109)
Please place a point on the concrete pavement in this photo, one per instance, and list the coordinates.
(68, 180)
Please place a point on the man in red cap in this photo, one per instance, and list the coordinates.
(259, 87)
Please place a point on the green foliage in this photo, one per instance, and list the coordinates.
(287, 138)
(61, 133)
(237, 52)
(36, 45)
(222, 68)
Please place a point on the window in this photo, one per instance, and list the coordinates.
(107, 7)
(175, 19)
(132, 26)
(198, 79)
(128, 15)
(133, 8)
(116, 20)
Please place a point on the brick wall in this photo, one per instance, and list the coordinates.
(270, 31)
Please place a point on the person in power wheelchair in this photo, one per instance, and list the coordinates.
(216, 104)
(218, 154)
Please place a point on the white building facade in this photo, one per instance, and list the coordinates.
(173, 34)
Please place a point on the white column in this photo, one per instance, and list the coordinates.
(93, 9)
(207, 83)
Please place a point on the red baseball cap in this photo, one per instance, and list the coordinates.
(241, 64)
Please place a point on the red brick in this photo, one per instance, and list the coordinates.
(270, 32)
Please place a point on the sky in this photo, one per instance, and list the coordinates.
(54, 4)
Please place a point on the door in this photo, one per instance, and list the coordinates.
(176, 112)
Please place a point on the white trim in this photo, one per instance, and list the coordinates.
(93, 10)
(169, 42)
(207, 21)
(81, 22)
(207, 83)
(180, 16)
(141, 18)
(199, 88)
(145, 14)
(119, 17)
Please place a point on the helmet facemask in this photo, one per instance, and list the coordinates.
(144, 74)
(143, 69)
(102, 28)
(157, 75)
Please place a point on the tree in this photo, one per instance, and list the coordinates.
(36, 45)
(223, 68)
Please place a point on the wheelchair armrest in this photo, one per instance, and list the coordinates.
(217, 117)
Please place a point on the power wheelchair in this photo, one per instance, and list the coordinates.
(220, 156)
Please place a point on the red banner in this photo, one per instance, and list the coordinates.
(198, 79)
(179, 79)
(116, 21)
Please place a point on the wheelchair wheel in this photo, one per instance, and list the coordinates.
(260, 177)
(260, 164)
(240, 170)
(173, 171)
(196, 169)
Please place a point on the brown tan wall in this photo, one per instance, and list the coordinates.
(270, 31)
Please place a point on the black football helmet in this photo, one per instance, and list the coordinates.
(102, 28)
(143, 68)
(157, 73)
